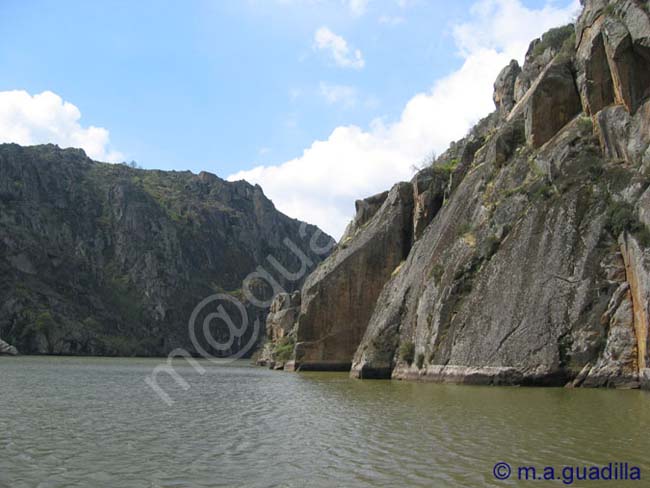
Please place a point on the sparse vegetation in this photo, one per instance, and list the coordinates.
(565, 343)
(594, 169)
(617, 177)
(568, 48)
(407, 352)
(283, 350)
(464, 228)
(419, 362)
(585, 124)
(427, 161)
(554, 39)
(541, 190)
(621, 217)
(464, 277)
(448, 166)
(437, 272)
(122, 255)
(489, 246)
(132, 164)
(609, 9)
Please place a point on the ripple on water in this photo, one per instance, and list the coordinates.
(82, 421)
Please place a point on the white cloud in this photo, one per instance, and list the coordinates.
(320, 186)
(337, 47)
(338, 94)
(507, 24)
(46, 118)
(356, 7)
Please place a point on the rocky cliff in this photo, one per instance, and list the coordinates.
(106, 259)
(521, 256)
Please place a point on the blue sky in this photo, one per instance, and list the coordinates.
(228, 86)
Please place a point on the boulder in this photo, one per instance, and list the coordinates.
(429, 187)
(550, 104)
(7, 349)
(282, 315)
(540, 53)
(623, 136)
(612, 125)
(504, 88)
(368, 207)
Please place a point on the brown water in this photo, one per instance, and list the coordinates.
(68, 422)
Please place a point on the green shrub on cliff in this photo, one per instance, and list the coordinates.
(283, 350)
(419, 362)
(621, 217)
(448, 166)
(554, 39)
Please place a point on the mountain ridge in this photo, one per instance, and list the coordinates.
(106, 259)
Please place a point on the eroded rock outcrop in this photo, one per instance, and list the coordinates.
(613, 62)
(282, 315)
(553, 102)
(280, 331)
(539, 55)
(496, 280)
(623, 136)
(504, 88)
(514, 281)
(7, 349)
(338, 298)
(530, 244)
(550, 103)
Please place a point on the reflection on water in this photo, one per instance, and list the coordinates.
(94, 422)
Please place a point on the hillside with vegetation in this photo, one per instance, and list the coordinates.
(104, 259)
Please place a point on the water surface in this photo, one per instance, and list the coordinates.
(79, 422)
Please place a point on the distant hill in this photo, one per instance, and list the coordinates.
(106, 259)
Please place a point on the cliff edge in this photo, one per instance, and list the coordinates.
(521, 255)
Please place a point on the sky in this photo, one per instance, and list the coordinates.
(321, 102)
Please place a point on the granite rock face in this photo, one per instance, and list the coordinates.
(529, 250)
(552, 103)
(105, 259)
(338, 298)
